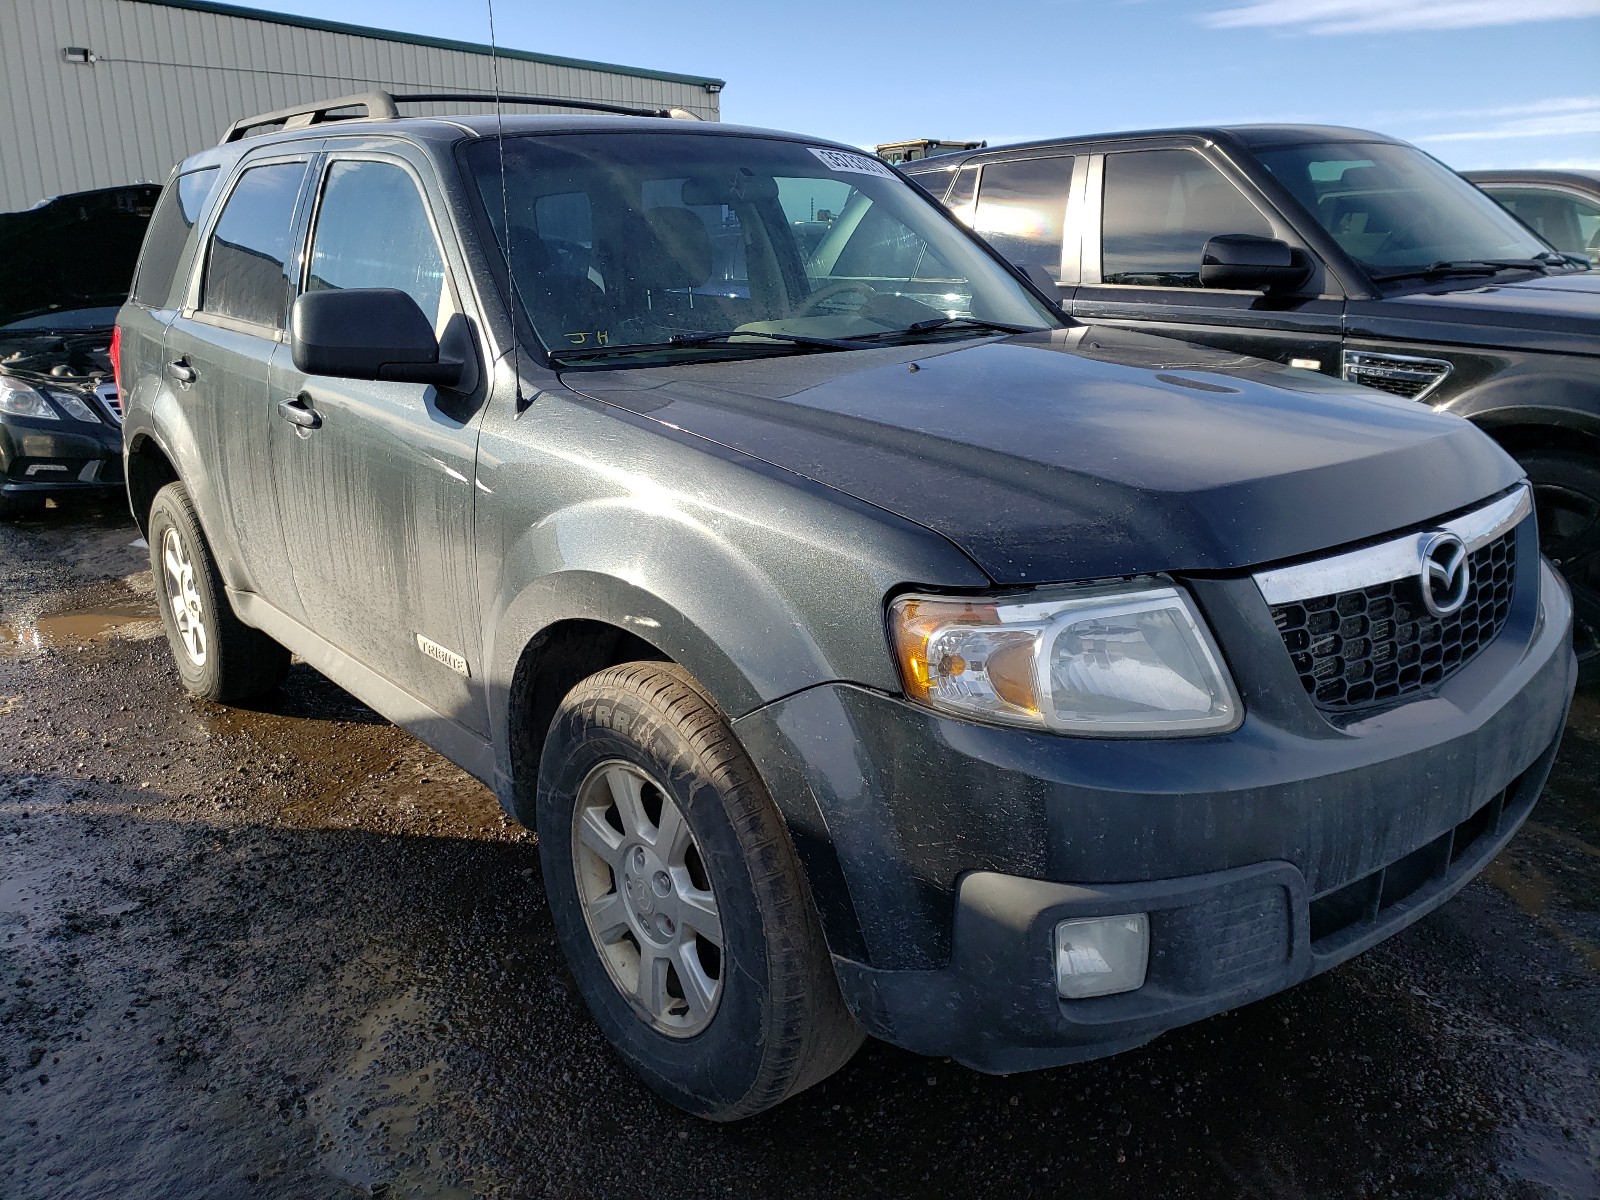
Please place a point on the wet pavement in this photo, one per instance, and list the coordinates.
(292, 953)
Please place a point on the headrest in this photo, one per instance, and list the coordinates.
(729, 189)
(1363, 177)
(684, 256)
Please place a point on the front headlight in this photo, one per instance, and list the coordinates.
(1099, 660)
(20, 400)
(74, 407)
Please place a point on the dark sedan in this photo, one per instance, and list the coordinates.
(65, 269)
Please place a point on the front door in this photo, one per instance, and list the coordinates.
(376, 501)
(1148, 214)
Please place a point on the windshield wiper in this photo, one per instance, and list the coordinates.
(974, 323)
(681, 341)
(1470, 266)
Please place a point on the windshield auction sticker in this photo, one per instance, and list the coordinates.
(838, 160)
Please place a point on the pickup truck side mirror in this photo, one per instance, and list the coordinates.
(369, 333)
(1244, 262)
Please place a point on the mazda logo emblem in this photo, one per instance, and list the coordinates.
(1446, 574)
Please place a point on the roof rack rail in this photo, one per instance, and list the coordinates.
(380, 105)
(373, 105)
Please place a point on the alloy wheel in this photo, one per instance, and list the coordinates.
(183, 597)
(647, 898)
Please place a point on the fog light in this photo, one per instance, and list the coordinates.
(1101, 956)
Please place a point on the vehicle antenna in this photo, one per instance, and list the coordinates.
(505, 209)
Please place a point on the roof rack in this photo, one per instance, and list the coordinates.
(382, 106)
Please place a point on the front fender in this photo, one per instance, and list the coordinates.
(1529, 393)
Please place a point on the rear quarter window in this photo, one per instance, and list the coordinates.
(170, 234)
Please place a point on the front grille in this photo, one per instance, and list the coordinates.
(1397, 374)
(106, 391)
(1372, 645)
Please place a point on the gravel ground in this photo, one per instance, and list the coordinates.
(292, 953)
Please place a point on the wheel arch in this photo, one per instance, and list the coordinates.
(148, 469)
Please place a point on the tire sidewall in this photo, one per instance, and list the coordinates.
(719, 1066)
(170, 511)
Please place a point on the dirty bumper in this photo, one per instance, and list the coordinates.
(942, 868)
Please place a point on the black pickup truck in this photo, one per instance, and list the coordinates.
(1338, 250)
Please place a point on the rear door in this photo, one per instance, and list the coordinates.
(377, 501)
(216, 360)
(1147, 215)
(1021, 210)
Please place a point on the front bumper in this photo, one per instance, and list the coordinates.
(942, 853)
(58, 458)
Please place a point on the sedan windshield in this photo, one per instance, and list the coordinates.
(1396, 211)
(629, 248)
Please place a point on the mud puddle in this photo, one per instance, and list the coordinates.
(62, 630)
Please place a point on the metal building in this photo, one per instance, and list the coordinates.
(102, 92)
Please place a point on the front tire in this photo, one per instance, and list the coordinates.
(1566, 492)
(218, 656)
(679, 901)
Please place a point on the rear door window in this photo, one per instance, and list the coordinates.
(1160, 207)
(373, 232)
(1022, 205)
(171, 227)
(246, 277)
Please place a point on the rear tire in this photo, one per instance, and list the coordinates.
(1566, 491)
(218, 656)
(768, 1020)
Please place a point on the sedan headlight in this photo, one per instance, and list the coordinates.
(74, 407)
(1098, 660)
(20, 400)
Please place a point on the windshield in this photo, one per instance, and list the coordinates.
(1394, 209)
(621, 240)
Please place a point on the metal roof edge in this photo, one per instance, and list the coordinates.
(417, 39)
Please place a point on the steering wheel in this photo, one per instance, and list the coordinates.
(1404, 235)
(823, 294)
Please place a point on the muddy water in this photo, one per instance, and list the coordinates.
(290, 953)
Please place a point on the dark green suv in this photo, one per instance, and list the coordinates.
(873, 651)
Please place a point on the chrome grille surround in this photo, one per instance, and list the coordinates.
(1357, 629)
(106, 392)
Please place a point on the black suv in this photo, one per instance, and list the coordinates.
(872, 650)
(65, 265)
(1336, 250)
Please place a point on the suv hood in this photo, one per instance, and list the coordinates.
(72, 252)
(1085, 453)
(1555, 313)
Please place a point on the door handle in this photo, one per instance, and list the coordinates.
(182, 371)
(299, 412)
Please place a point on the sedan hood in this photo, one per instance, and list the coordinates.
(72, 252)
(1085, 453)
(1559, 314)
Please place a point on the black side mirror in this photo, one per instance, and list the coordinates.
(369, 333)
(1244, 262)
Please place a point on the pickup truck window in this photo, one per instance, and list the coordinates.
(1394, 209)
(1021, 207)
(373, 232)
(1568, 221)
(1160, 208)
(245, 276)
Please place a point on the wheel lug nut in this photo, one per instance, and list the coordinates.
(638, 857)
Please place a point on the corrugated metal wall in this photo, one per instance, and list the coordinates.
(169, 80)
